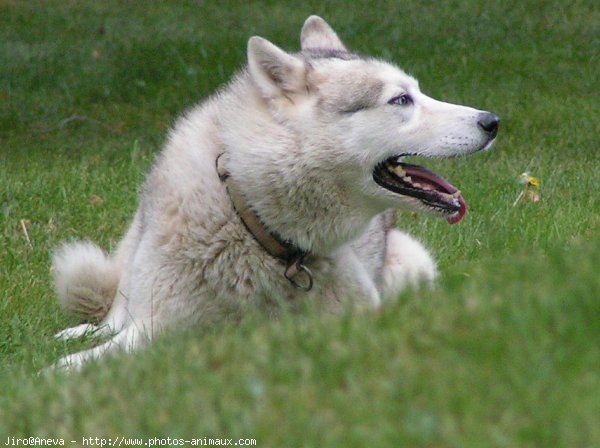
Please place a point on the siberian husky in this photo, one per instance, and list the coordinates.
(278, 189)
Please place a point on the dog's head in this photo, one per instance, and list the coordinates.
(369, 115)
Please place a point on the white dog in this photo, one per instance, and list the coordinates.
(278, 189)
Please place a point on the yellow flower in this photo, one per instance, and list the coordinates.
(529, 180)
(534, 182)
(531, 195)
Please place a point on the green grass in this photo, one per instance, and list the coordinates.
(504, 352)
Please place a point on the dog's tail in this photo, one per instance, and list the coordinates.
(86, 280)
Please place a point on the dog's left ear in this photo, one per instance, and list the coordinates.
(274, 71)
(316, 33)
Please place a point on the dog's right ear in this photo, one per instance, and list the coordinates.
(274, 71)
(316, 33)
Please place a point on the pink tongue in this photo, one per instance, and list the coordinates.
(424, 176)
(461, 213)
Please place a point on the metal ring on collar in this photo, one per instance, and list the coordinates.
(295, 268)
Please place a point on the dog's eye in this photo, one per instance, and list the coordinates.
(401, 100)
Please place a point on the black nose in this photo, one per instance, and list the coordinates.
(489, 123)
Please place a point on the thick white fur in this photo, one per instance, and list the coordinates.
(296, 139)
(85, 279)
(406, 264)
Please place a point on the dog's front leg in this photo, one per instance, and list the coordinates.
(407, 265)
(351, 283)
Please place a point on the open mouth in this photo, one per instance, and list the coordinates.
(434, 192)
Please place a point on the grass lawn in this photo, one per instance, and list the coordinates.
(505, 352)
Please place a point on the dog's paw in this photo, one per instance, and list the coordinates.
(65, 364)
(80, 331)
(407, 265)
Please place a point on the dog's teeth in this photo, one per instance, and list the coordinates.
(399, 171)
(407, 179)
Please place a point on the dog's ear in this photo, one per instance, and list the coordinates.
(275, 71)
(316, 33)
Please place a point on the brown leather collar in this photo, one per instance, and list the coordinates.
(272, 243)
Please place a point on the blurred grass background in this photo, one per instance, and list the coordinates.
(505, 351)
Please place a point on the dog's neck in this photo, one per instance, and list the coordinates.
(301, 205)
(313, 221)
(270, 240)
